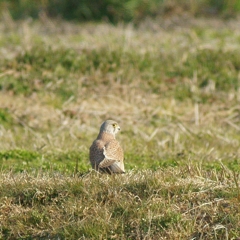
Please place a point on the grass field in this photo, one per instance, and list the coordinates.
(174, 87)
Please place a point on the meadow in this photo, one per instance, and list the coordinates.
(172, 84)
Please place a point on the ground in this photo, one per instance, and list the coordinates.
(173, 86)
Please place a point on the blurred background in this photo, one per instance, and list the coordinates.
(115, 11)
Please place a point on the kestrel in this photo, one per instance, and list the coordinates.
(106, 154)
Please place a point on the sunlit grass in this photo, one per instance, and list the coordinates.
(174, 92)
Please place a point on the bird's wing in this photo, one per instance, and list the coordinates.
(117, 167)
(96, 153)
(112, 152)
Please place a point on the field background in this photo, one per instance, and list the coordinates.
(167, 71)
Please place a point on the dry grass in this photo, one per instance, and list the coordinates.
(162, 204)
(174, 89)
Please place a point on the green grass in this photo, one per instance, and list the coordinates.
(115, 11)
(175, 93)
(24, 160)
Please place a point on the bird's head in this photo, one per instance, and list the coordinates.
(110, 126)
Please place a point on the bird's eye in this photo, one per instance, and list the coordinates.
(114, 124)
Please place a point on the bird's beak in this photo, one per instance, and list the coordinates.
(119, 128)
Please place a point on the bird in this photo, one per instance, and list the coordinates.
(106, 154)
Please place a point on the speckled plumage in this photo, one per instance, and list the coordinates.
(106, 154)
